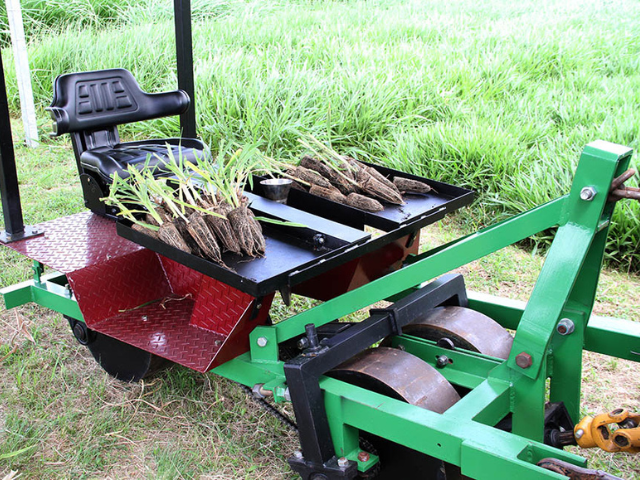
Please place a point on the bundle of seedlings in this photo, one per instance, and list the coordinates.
(351, 182)
(236, 226)
(199, 210)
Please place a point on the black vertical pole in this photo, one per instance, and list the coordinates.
(184, 55)
(11, 207)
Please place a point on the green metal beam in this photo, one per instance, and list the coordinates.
(428, 266)
(475, 447)
(615, 337)
(48, 292)
(610, 336)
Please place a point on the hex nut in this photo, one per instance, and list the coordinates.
(565, 327)
(363, 456)
(579, 433)
(343, 462)
(524, 360)
(297, 454)
(588, 193)
(262, 341)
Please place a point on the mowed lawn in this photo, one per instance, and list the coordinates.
(496, 96)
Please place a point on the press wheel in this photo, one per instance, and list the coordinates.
(120, 360)
(461, 327)
(405, 377)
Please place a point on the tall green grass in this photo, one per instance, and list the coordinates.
(500, 97)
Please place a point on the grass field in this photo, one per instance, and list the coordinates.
(497, 96)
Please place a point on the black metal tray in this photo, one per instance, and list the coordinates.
(293, 254)
(417, 211)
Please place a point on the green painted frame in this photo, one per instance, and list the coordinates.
(464, 435)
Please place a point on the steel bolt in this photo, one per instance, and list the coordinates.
(524, 360)
(297, 454)
(588, 193)
(262, 341)
(442, 361)
(363, 456)
(579, 433)
(565, 327)
(343, 462)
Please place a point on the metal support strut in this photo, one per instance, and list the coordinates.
(15, 228)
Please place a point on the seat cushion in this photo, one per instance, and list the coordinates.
(105, 161)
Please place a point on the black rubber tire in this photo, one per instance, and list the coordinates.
(120, 360)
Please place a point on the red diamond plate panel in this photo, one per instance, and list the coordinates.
(218, 306)
(166, 332)
(122, 283)
(183, 280)
(112, 277)
(75, 242)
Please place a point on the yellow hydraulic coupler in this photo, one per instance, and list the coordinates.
(595, 432)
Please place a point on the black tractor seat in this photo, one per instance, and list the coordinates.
(90, 105)
(105, 161)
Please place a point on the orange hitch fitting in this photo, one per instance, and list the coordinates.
(595, 432)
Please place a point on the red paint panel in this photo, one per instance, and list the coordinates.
(183, 280)
(165, 331)
(123, 282)
(219, 307)
(75, 242)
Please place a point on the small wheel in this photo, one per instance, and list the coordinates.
(405, 377)
(120, 360)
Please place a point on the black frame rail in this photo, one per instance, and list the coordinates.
(304, 371)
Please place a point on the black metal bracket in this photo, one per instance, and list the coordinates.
(304, 371)
(27, 232)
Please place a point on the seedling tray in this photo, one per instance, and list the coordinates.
(293, 254)
(418, 210)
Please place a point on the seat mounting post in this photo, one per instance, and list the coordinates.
(9, 190)
(184, 57)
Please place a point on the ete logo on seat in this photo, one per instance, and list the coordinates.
(105, 95)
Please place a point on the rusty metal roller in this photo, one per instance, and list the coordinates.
(463, 328)
(399, 375)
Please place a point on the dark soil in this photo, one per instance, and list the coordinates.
(309, 176)
(170, 235)
(364, 203)
(332, 193)
(204, 237)
(241, 223)
(407, 185)
(377, 189)
(223, 229)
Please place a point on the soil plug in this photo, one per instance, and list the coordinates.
(144, 230)
(364, 203)
(169, 234)
(204, 237)
(181, 225)
(309, 176)
(223, 229)
(239, 219)
(331, 193)
(259, 243)
(377, 189)
(407, 185)
(329, 173)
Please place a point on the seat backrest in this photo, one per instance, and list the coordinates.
(100, 100)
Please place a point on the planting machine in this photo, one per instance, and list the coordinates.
(430, 385)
